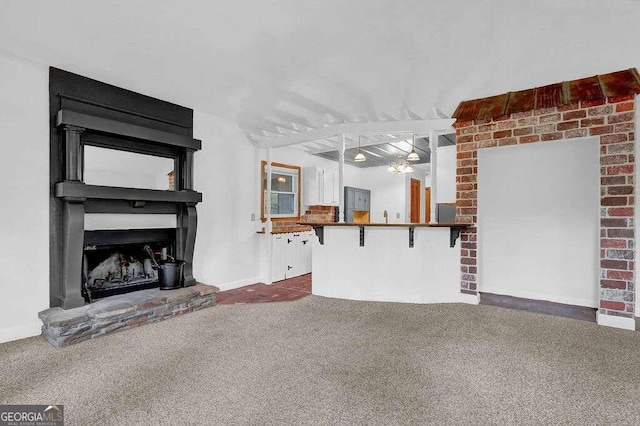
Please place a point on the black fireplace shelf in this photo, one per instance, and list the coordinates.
(112, 127)
(78, 190)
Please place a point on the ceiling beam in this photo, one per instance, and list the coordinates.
(418, 127)
(368, 141)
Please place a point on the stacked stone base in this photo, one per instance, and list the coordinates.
(65, 327)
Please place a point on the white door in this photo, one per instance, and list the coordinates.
(306, 252)
(291, 242)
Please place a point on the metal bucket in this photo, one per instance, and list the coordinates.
(170, 274)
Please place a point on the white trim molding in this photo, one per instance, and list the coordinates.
(31, 329)
(240, 283)
(616, 321)
(471, 299)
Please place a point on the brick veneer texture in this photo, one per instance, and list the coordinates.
(319, 214)
(612, 120)
(284, 226)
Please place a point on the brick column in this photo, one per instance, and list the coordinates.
(612, 120)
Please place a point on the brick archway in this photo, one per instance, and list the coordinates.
(602, 106)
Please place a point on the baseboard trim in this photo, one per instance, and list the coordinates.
(21, 331)
(237, 284)
(471, 299)
(616, 321)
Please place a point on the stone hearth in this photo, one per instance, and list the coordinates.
(65, 327)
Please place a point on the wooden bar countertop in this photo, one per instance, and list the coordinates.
(396, 225)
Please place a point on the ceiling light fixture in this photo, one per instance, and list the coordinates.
(413, 155)
(359, 156)
(399, 166)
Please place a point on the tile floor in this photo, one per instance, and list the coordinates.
(540, 306)
(291, 289)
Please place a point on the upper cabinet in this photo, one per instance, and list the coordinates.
(320, 187)
(357, 204)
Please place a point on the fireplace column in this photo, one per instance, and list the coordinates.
(74, 153)
(187, 216)
(73, 222)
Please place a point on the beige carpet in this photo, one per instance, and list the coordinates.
(325, 361)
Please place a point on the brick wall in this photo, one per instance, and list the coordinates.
(611, 119)
(315, 214)
(319, 214)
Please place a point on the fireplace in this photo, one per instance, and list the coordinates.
(87, 265)
(121, 261)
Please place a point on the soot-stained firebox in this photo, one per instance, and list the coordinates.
(118, 261)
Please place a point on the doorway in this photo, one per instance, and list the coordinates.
(415, 201)
(427, 204)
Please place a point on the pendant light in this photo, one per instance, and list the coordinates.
(359, 158)
(413, 155)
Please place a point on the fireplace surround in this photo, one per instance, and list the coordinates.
(85, 112)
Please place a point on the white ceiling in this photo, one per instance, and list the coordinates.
(268, 64)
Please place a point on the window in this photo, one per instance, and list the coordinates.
(285, 191)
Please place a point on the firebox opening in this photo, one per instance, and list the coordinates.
(115, 262)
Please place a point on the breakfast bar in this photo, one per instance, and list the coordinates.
(398, 262)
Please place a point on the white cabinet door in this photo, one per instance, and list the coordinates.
(320, 186)
(278, 261)
(311, 183)
(327, 187)
(336, 188)
(306, 252)
(330, 187)
(291, 255)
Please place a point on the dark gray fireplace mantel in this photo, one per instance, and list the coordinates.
(88, 112)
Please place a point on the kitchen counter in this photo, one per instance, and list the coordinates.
(395, 262)
(454, 229)
(405, 225)
(288, 230)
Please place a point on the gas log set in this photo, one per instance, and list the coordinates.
(120, 261)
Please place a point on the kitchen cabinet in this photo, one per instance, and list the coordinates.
(362, 199)
(291, 255)
(320, 187)
(356, 200)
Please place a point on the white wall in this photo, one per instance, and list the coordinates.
(226, 172)
(24, 217)
(538, 233)
(446, 179)
(388, 192)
